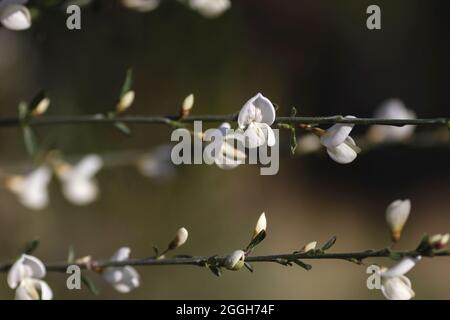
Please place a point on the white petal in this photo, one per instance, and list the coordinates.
(401, 268)
(255, 136)
(123, 279)
(122, 254)
(257, 109)
(15, 17)
(210, 8)
(88, 166)
(337, 134)
(80, 191)
(33, 191)
(398, 288)
(397, 214)
(343, 153)
(141, 5)
(33, 289)
(25, 267)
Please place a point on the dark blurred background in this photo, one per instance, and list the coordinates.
(315, 55)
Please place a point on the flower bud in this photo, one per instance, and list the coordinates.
(396, 215)
(180, 238)
(310, 246)
(187, 105)
(235, 260)
(125, 101)
(41, 107)
(15, 17)
(261, 225)
(438, 241)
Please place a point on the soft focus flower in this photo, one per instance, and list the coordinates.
(222, 151)
(256, 117)
(157, 164)
(24, 276)
(125, 101)
(392, 109)
(340, 146)
(141, 5)
(261, 224)
(123, 279)
(438, 241)
(31, 190)
(308, 143)
(394, 284)
(235, 260)
(180, 238)
(397, 214)
(79, 184)
(210, 8)
(15, 17)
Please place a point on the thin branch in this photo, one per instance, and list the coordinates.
(203, 260)
(168, 120)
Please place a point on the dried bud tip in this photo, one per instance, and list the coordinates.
(235, 260)
(180, 239)
(261, 225)
(41, 107)
(125, 101)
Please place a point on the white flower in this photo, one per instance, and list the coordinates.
(210, 8)
(157, 164)
(392, 109)
(261, 224)
(79, 184)
(141, 5)
(24, 276)
(394, 284)
(438, 241)
(222, 151)
(340, 146)
(235, 260)
(15, 17)
(256, 117)
(180, 238)
(31, 190)
(123, 279)
(397, 214)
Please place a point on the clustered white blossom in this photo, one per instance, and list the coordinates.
(123, 279)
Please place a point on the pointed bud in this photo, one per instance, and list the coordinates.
(187, 106)
(125, 101)
(235, 260)
(261, 225)
(310, 246)
(438, 241)
(397, 214)
(41, 107)
(180, 238)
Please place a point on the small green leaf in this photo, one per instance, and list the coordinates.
(256, 240)
(217, 271)
(24, 112)
(90, 284)
(29, 139)
(305, 266)
(293, 112)
(127, 83)
(248, 266)
(395, 255)
(122, 127)
(329, 243)
(293, 141)
(30, 246)
(155, 250)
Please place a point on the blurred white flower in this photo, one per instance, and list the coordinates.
(123, 279)
(256, 117)
(180, 238)
(308, 143)
(157, 164)
(15, 17)
(24, 276)
(79, 185)
(397, 214)
(222, 151)
(394, 284)
(31, 190)
(210, 8)
(438, 241)
(235, 260)
(392, 109)
(340, 146)
(141, 5)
